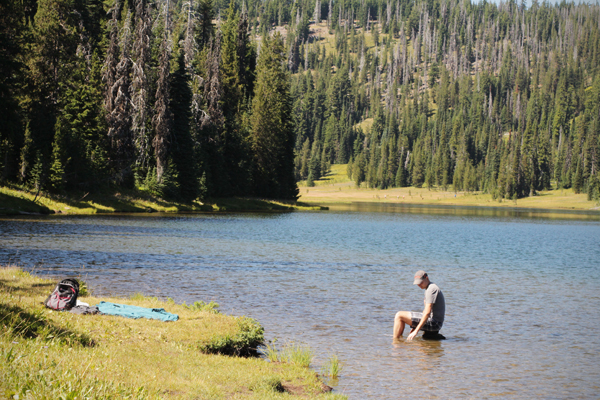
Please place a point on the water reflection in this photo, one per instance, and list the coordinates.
(425, 352)
(427, 209)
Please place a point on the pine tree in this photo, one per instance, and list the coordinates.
(272, 130)
(11, 71)
(118, 97)
(230, 66)
(50, 58)
(205, 27)
(182, 146)
(79, 156)
(140, 85)
(211, 121)
(162, 120)
(236, 79)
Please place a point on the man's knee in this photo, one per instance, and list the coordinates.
(403, 316)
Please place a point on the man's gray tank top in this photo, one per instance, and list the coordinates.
(434, 296)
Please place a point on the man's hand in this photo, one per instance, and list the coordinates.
(416, 330)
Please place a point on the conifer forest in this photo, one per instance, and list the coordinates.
(189, 99)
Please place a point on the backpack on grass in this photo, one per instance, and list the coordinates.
(64, 296)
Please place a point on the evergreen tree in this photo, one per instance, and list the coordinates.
(272, 130)
(50, 58)
(205, 27)
(140, 86)
(12, 15)
(118, 96)
(182, 146)
(80, 153)
(162, 120)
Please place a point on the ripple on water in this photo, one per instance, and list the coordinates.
(334, 281)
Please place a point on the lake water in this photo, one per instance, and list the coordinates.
(522, 292)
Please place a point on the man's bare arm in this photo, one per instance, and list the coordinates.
(426, 313)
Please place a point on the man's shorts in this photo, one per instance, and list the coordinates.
(430, 324)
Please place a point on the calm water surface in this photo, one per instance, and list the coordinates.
(522, 293)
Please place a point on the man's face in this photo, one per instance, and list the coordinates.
(424, 283)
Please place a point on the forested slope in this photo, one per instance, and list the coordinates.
(502, 99)
(201, 98)
(156, 95)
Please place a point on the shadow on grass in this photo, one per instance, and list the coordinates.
(12, 205)
(244, 204)
(34, 289)
(124, 201)
(329, 176)
(249, 204)
(116, 202)
(18, 322)
(133, 201)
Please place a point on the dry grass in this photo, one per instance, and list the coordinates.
(365, 125)
(100, 356)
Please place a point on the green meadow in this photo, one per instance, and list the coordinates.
(336, 187)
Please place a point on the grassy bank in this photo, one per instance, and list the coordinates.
(336, 187)
(16, 200)
(50, 355)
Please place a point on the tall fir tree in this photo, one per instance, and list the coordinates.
(272, 130)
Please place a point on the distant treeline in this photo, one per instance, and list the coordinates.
(201, 98)
(504, 99)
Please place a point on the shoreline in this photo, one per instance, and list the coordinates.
(336, 189)
(333, 191)
(19, 201)
(119, 357)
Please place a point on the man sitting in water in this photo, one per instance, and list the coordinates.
(432, 317)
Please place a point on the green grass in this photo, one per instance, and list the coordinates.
(298, 354)
(292, 353)
(271, 352)
(211, 307)
(365, 125)
(59, 355)
(244, 342)
(332, 367)
(13, 202)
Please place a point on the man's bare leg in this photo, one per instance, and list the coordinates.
(400, 321)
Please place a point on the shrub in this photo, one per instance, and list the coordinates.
(244, 343)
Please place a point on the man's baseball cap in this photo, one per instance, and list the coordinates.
(419, 276)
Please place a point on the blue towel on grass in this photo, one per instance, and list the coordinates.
(125, 310)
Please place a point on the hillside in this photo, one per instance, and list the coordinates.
(191, 100)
